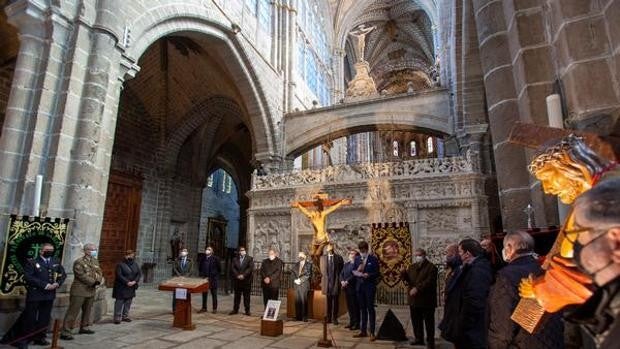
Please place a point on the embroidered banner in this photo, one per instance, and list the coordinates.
(25, 237)
(391, 243)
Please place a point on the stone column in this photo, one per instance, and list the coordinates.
(291, 51)
(502, 104)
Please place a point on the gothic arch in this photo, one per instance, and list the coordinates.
(165, 20)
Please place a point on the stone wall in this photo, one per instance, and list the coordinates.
(442, 199)
(6, 78)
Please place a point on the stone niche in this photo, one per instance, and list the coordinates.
(443, 201)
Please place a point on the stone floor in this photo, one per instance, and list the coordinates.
(151, 328)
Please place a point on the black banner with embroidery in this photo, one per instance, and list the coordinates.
(26, 236)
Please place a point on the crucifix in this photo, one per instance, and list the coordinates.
(317, 211)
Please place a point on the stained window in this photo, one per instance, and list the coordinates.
(264, 14)
(413, 151)
(429, 145)
(210, 181)
(395, 148)
(251, 6)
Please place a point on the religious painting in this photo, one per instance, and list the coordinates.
(26, 236)
(392, 245)
(216, 235)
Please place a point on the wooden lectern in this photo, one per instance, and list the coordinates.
(183, 311)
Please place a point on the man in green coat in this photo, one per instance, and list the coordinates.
(87, 276)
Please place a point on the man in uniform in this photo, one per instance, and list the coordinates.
(87, 276)
(242, 267)
(43, 276)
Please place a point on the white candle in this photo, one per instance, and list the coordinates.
(38, 187)
(554, 111)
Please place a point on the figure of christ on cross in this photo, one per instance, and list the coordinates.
(317, 211)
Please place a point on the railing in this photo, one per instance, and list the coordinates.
(430, 167)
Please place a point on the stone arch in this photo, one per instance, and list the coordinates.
(427, 111)
(212, 107)
(191, 18)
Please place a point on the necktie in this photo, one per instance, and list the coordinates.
(47, 261)
(241, 260)
(184, 262)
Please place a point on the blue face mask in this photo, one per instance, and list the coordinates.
(93, 254)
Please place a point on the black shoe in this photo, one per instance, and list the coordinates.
(66, 337)
(127, 319)
(347, 326)
(354, 328)
(214, 311)
(203, 310)
(117, 322)
(40, 342)
(360, 335)
(335, 322)
(305, 319)
(416, 342)
(234, 312)
(247, 312)
(86, 331)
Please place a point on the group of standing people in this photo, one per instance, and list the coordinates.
(44, 275)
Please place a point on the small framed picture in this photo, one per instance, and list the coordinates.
(272, 310)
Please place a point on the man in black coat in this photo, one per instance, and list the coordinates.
(210, 268)
(518, 252)
(301, 274)
(421, 277)
(467, 301)
(43, 276)
(331, 266)
(596, 252)
(125, 285)
(242, 267)
(271, 273)
(183, 266)
(347, 281)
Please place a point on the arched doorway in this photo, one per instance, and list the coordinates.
(182, 114)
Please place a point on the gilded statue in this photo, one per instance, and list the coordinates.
(317, 211)
(566, 169)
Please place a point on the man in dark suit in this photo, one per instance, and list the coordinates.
(210, 268)
(467, 300)
(302, 273)
(270, 273)
(348, 283)
(421, 277)
(43, 275)
(242, 267)
(183, 266)
(331, 266)
(366, 271)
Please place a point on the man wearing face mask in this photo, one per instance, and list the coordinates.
(242, 268)
(331, 266)
(421, 277)
(466, 326)
(597, 253)
(183, 266)
(521, 261)
(125, 285)
(87, 276)
(366, 271)
(348, 283)
(210, 268)
(43, 275)
(301, 274)
(271, 272)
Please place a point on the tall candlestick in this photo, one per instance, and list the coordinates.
(554, 111)
(38, 187)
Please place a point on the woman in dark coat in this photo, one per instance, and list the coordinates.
(125, 284)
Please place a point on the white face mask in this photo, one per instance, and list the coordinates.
(183, 254)
(242, 253)
(505, 256)
(208, 252)
(93, 253)
(364, 254)
(272, 257)
(418, 259)
(352, 258)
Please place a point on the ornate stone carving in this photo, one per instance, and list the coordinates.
(272, 233)
(361, 172)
